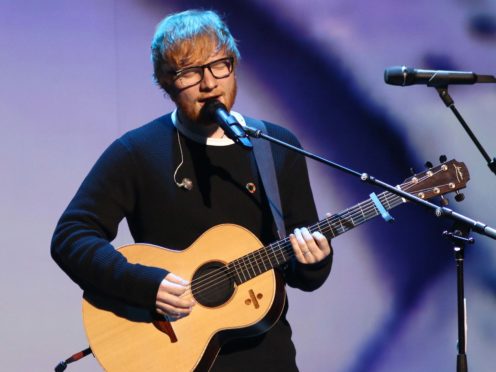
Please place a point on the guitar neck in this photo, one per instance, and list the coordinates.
(348, 219)
(280, 252)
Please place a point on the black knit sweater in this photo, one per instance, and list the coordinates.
(133, 179)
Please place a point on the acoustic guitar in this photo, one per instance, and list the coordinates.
(231, 277)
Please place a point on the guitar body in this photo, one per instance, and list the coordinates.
(128, 338)
(238, 294)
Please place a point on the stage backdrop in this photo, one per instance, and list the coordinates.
(76, 74)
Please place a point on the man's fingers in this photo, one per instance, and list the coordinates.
(169, 304)
(172, 288)
(174, 284)
(322, 243)
(166, 309)
(305, 241)
(296, 248)
(309, 247)
(170, 308)
(312, 245)
(173, 278)
(175, 301)
(172, 298)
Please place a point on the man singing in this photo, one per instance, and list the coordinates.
(178, 176)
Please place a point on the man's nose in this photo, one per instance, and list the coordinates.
(208, 82)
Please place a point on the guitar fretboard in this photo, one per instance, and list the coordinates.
(280, 252)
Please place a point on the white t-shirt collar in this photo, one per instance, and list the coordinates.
(224, 141)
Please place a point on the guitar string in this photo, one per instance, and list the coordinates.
(220, 276)
(283, 245)
(280, 255)
(252, 258)
(276, 251)
(249, 260)
(283, 251)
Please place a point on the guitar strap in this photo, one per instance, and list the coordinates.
(266, 168)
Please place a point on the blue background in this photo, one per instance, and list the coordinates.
(76, 75)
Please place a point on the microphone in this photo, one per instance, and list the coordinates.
(185, 183)
(217, 111)
(403, 76)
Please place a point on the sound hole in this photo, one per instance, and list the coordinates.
(212, 285)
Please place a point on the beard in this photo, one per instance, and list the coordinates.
(193, 115)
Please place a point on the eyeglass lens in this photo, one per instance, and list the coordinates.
(193, 75)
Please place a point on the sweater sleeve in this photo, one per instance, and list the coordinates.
(299, 211)
(81, 241)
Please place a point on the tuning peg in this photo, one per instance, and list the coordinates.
(428, 164)
(459, 196)
(444, 201)
(443, 158)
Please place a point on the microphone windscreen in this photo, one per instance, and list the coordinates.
(395, 75)
(208, 111)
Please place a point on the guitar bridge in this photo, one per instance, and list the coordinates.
(164, 326)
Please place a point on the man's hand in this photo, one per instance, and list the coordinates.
(174, 298)
(309, 248)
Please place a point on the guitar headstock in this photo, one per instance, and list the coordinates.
(447, 177)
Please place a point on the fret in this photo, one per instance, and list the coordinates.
(275, 256)
(242, 271)
(244, 268)
(257, 257)
(269, 255)
(329, 228)
(280, 252)
(375, 211)
(324, 226)
(253, 264)
(249, 259)
(264, 251)
(232, 268)
(273, 261)
(360, 215)
(340, 220)
(344, 223)
(287, 250)
(341, 224)
(371, 210)
(259, 260)
(386, 199)
(351, 218)
(361, 210)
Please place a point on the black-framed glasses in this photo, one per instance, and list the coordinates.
(189, 76)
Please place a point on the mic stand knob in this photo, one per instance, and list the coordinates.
(459, 196)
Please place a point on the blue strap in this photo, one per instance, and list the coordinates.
(266, 168)
(384, 213)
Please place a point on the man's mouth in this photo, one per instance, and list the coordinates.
(205, 99)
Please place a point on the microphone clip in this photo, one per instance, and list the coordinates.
(216, 111)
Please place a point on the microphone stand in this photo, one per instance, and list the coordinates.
(448, 101)
(459, 238)
(477, 226)
(462, 226)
